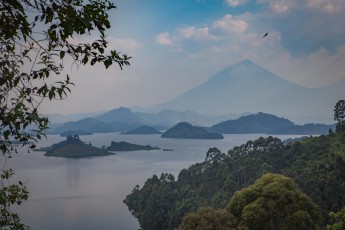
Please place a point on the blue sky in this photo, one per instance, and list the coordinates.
(179, 44)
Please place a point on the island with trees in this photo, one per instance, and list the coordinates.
(125, 146)
(73, 147)
(185, 130)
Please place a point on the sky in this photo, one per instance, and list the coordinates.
(177, 45)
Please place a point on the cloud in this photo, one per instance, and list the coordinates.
(327, 6)
(235, 3)
(126, 45)
(229, 23)
(305, 26)
(211, 33)
(164, 39)
(182, 34)
(278, 6)
(197, 34)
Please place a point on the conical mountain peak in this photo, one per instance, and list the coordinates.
(248, 87)
(244, 72)
(246, 62)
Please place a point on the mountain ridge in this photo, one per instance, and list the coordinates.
(250, 123)
(246, 87)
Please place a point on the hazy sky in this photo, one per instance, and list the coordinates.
(179, 44)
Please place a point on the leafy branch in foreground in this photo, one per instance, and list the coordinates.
(11, 194)
(37, 39)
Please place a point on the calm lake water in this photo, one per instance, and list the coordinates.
(88, 193)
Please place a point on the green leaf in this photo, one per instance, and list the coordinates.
(62, 54)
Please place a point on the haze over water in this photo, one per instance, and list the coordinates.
(89, 193)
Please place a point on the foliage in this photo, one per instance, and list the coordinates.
(339, 116)
(337, 220)
(339, 111)
(316, 164)
(11, 194)
(208, 219)
(274, 202)
(37, 38)
(159, 194)
(306, 129)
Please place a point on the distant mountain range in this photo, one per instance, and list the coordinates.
(57, 118)
(123, 120)
(246, 87)
(169, 117)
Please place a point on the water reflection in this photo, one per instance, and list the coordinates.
(73, 174)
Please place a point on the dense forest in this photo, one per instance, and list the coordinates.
(219, 192)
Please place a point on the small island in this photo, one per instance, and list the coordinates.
(143, 130)
(74, 133)
(73, 147)
(184, 130)
(125, 146)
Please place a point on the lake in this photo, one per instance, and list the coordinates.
(88, 193)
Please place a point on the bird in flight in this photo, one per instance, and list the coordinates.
(265, 35)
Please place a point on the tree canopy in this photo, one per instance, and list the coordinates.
(274, 202)
(315, 164)
(337, 220)
(339, 115)
(208, 219)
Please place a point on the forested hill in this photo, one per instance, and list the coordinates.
(253, 123)
(269, 124)
(185, 130)
(316, 164)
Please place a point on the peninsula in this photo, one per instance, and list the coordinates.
(143, 130)
(125, 146)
